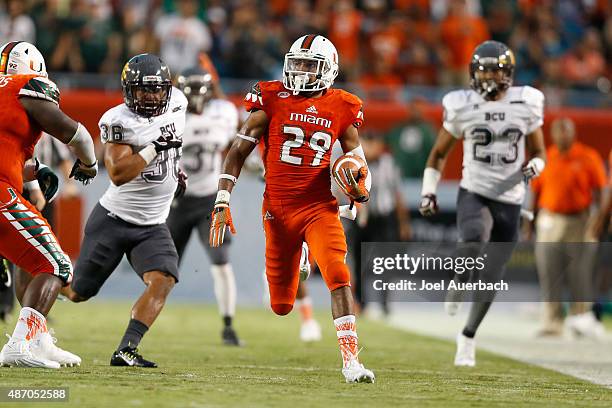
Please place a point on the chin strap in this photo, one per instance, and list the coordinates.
(298, 83)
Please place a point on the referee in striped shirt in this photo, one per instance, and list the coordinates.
(385, 218)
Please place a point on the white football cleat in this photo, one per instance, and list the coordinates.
(43, 346)
(19, 354)
(585, 325)
(310, 331)
(355, 372)
(304, 263)
(466, 351)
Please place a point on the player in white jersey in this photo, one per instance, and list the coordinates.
(210, 127)
(496, 121)
(142, 139)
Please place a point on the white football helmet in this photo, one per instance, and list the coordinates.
(310, 65)
(21, 58)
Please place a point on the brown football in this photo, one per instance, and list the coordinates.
(347, 162)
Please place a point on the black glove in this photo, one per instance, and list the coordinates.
(182, 184)
(48, 182)
(167, 142)
(84, 173)
(429, 205)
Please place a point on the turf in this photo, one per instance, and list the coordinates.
(275, 369)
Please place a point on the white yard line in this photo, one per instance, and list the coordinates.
(509, 330)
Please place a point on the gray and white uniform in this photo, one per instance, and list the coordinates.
(146, 199)
(206, 136)
(130, 219)
(493, 134)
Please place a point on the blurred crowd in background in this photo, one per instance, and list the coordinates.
(562, 43)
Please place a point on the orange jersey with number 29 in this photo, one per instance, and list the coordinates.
(301, 133)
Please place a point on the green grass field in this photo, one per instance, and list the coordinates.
(275, 369)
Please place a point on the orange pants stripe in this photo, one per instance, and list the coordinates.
(26, 239)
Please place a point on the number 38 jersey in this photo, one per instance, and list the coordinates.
(206, 137)
(301, 133)
(146, 199)
(494, 135)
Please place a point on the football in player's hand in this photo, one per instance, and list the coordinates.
(345, 172)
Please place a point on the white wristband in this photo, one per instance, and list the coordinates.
(539, 164)
(148, 153)
(228, 177)
(223, 196)
(431, 177)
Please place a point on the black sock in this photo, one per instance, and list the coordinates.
(133, 334)
(227, 321)
(468, 333)
(478, 311)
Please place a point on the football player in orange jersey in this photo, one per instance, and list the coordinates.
(30, 104)
(298, 120)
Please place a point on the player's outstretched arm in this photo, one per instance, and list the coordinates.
(433, 171)
(249, 135)
(537, 151)
(349, 142)
(52, 120)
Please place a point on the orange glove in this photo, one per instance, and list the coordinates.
(219, 220)
(356, 190)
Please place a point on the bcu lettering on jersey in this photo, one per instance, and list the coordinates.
(495, 116)
(428, 271)
(168, 130)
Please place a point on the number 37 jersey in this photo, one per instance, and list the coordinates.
(146, 199)
(494, 134)
(301, 133)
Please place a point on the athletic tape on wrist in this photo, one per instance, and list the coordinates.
(248, 138)
(229, 177)
(148, 153)
(431, 177)
(223, 196)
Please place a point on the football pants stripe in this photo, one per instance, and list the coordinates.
(307, 43)
(42, 239)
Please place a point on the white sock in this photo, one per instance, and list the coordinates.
(225, 288)
(29, 324)
(347, 338)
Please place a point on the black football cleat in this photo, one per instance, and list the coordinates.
(230, 338)
(5, 274)
(129, 357)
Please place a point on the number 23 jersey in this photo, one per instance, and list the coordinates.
(146, 199)
(301, 132)
(494, 134)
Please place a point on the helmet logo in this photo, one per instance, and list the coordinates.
(40, 66)
(507, 58)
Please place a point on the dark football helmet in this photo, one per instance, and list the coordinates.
(197, 85)
(491, 69)
(147, 85)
